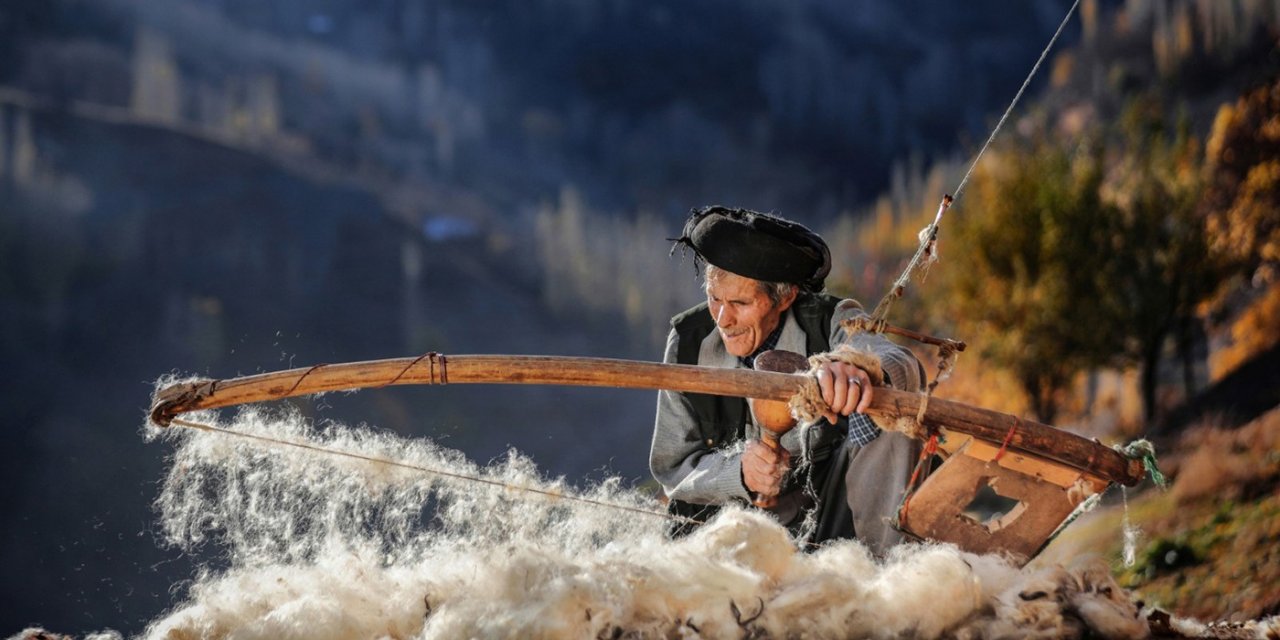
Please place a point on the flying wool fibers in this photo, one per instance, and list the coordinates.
(327, 546)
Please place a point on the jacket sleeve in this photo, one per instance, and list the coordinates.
(879, 468)
(687, 468)
(901, 368)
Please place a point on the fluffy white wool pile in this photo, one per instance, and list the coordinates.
(324, 547)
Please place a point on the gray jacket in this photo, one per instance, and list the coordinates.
(690, 470)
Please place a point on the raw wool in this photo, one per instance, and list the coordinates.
(735, 577)
(533, 592)
(271, 503)
(335, 597)
(652, 589)
(921, 591)
(807, 406)
(1056, 602)
(322, 546)
(1102, 604)
(1264, 629)
(316, 537)
(37, 633)
(826, 590)
(864, 360)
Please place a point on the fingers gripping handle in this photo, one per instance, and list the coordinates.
(774, 417)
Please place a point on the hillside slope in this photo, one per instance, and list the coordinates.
(1207, 547)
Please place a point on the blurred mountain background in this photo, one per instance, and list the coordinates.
(224, 187)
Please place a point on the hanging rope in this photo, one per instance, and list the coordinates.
(927, 251)
(1143, 450)
(930, 448)
(1008, 437)
(1016, 98)
(1140, 449)
(929, 235)
(928, 246)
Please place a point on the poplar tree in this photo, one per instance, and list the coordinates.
(1024, 268)
(1161, 265)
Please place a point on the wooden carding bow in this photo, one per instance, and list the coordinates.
(989, 426)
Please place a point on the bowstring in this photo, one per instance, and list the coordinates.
(428, 470)
(801, 541)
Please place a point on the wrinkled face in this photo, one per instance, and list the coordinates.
(743, 312)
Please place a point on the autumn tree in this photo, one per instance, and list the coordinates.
(1023, 274)
(1242, 197)
(1160, 264)
(1242, 208)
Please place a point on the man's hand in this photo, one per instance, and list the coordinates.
(763, 468)
(845, 388)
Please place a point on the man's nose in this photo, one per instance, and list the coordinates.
(723, 317)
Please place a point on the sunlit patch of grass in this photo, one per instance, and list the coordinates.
(1224, 563)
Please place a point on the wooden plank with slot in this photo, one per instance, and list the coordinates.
(937, 510)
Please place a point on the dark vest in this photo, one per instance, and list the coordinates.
(723, 419)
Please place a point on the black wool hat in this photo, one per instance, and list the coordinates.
(758, 245)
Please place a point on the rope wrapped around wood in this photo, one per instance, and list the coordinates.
(808, 406)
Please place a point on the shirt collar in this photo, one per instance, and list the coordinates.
(769, 343)
(791, 338)
(783, 337)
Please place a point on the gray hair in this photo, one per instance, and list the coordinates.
(775, 291)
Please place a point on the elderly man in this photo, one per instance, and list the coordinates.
(764, 283)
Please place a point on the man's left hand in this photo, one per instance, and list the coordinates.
(845, 388)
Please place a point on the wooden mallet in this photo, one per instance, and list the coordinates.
(774, 416)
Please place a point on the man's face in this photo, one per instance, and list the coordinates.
(742, 311)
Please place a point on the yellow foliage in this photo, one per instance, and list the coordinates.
(1225, 120)
(870, 250)
(1243, 166)
(978, 382)
(1256, 202)
(1063, 69)
(1257, 329)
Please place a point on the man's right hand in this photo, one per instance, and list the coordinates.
(763, 468)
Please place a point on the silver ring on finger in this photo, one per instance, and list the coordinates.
(856, 381)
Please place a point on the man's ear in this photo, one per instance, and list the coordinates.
(788, 299)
